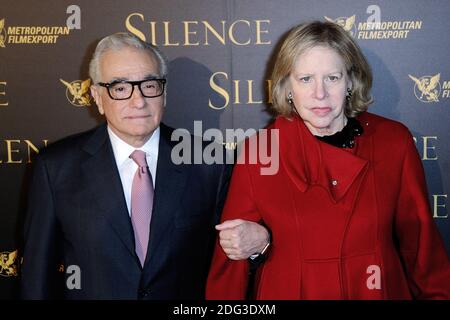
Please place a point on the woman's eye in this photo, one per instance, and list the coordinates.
(333, 78)
(305, 79)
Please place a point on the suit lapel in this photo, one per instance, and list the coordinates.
(99, 171)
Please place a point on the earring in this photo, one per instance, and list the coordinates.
(348, 97)
(289, 97)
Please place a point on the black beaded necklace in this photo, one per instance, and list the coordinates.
(346, 137)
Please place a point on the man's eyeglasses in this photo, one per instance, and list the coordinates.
(123, 90)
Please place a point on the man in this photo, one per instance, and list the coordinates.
(112, 207)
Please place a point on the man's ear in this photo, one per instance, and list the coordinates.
(97, 98)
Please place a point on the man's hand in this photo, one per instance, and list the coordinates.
(240, 238)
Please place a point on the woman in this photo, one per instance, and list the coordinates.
(348, 207)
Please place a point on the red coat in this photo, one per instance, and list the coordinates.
(346, 223)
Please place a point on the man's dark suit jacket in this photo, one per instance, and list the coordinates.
(78, 216)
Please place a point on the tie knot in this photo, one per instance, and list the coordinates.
(139, 157)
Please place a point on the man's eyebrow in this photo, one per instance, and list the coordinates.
(118, 79)
(151, 76)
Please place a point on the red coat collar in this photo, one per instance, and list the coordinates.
(308, 161)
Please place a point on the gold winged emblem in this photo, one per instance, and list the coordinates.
(428, 87)
(2, 33)
(345, 22)
(79, 92)
(8, 265)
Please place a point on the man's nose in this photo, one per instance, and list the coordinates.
(137, 99)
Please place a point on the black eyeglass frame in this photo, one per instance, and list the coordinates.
(133, 84)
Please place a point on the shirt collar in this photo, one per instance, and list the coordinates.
(122, 150)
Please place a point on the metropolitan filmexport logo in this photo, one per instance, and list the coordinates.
(348, 23)
(2, 33)
(372, 28)
(8, 263)
(30, 34)
(427, 88)
(77, 92)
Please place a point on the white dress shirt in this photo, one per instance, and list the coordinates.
(127, 167)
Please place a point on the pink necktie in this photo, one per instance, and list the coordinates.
(141, 204)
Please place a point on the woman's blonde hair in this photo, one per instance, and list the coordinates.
(329, 34)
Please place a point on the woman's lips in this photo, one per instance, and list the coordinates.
(321, 111)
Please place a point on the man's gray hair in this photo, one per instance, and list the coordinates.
(119, 41)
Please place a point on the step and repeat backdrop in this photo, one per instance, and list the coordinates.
(221, 53)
